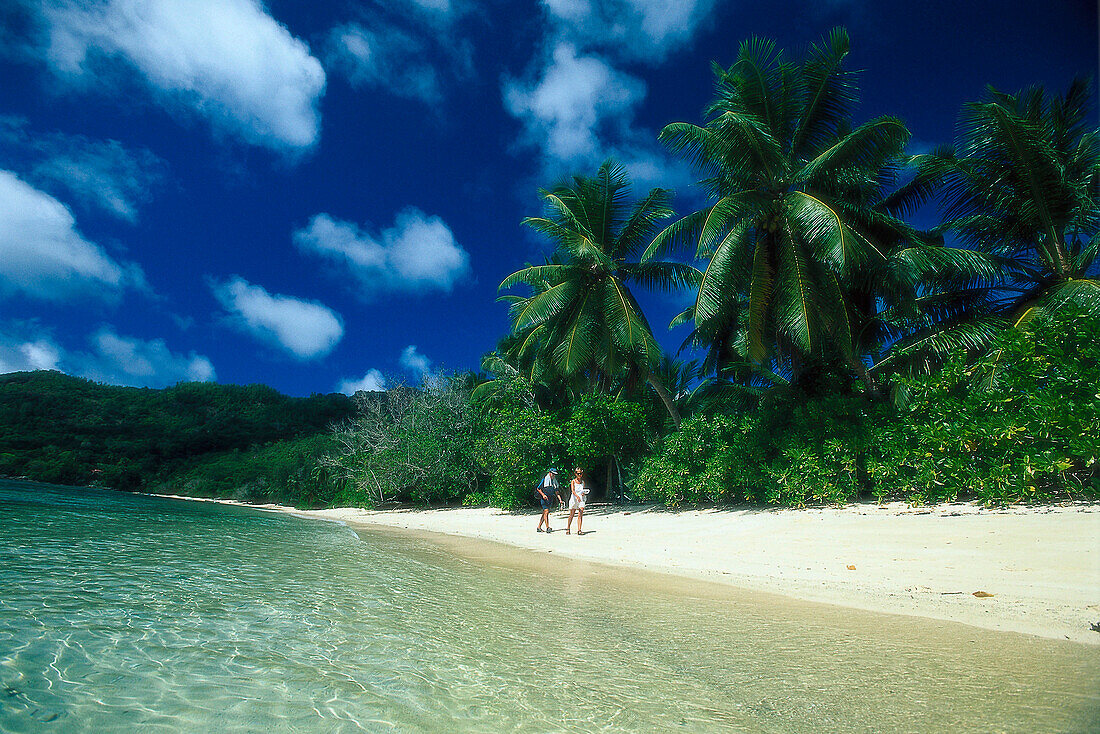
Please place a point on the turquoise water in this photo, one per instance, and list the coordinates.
(132, 613)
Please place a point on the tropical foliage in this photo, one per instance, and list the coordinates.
(411, 445)
(62, 429)
(1021, 185)
(1018, 425)
(836, 350)
(799, 239)
(582, 321)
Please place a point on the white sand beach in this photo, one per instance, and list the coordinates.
(1040, 566)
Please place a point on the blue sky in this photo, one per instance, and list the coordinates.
(324, 196)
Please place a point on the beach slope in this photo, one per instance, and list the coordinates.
(1034, 570)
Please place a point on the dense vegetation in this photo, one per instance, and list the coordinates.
(842, 352)
(197, 437)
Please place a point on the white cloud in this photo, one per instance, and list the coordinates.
(580, 112)
(390, 59)
(373, 381)
(104, 174)
(101, 174)
(130, 361)
(415, 49)
(579, 109)
(21, 355)
(414, 361)
(226, 59)
(651, 166)
(639, 30)
(577, 98)
(114, 359)
(418, 253)
(42, 254)
(305, 329)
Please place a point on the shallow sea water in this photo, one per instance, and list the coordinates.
(131, 613)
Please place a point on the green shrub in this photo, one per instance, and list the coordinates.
(710, 459)
(516, 442)
(813, 447)
(1019, 425)
(289, 472)
(792, 451)
(517, 445)
(412, 445)
(602, 434)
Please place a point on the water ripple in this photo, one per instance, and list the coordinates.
(134, 613)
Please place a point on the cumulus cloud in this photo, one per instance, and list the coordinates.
(104, 174)
(305, 329)
(576, 98)
(27, 354)
(42, 254)
(228, 60)
(373, 381)
(114, 359)
(580, 111)
(415, 362)
(97, 173)
(577, 108)
(418, 253)
(639, 30)
(391, 59)
(145, 363)
(650, 166)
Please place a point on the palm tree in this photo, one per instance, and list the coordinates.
(1022, 186)
(582, 321)
(801, 222)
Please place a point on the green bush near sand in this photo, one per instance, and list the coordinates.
(793, 450)
(286, 472)
(411, 445)
(1018, 425)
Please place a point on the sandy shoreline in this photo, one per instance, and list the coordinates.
(1041, 565)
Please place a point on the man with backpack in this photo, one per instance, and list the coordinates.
(547, 493)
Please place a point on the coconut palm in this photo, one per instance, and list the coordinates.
(801, 221)
(582, 319)
(1022, 185)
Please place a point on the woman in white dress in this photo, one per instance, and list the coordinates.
(577, 494)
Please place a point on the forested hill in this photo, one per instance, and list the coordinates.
(67, 430)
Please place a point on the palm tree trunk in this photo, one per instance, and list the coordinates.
(666, 399)
(608, 487)
(865, 376)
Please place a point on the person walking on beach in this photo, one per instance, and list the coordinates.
(577, 494)
(549, 496)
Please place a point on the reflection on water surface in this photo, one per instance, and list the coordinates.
(130, 612)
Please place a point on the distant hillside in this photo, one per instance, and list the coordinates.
(67, 430)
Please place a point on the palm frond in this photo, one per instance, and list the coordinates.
(543, 306)
(661, 276)
(830, 93)
(534, 274)
(642, 222)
